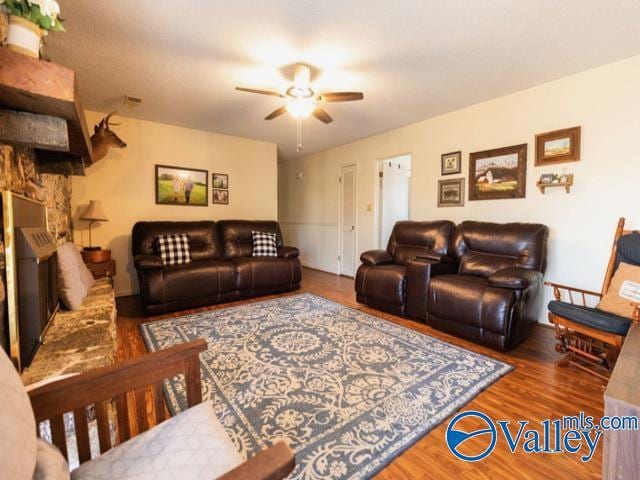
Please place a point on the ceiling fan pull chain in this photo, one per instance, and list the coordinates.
(299, 132)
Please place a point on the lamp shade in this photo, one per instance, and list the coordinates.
(94, 212)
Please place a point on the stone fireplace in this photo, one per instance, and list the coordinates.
(19, 173)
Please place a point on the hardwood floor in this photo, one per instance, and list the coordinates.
(535, 390)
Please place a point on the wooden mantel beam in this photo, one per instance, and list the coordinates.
(33, 130)
(45, 88)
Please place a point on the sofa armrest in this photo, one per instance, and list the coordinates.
(147, 262)
(376, 257)
(435, 257)
(515, 277)
(288, 252)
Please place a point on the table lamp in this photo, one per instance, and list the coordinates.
(93, 213)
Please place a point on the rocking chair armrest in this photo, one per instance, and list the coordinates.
(557, 287)
(273, 463)
(93, 386)
(636, 313)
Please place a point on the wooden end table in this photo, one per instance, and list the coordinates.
(102, 269)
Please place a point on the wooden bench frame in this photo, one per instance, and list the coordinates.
(104, 386)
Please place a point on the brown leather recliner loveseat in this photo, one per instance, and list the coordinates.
(483, 284)
(221, 269)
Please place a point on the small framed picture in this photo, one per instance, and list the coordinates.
(220, 180)
(451, 193)
(220, 197)
(559, 146)
(547, 178)
(451, 163)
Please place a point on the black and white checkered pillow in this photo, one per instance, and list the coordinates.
(264, 244)
(174, 248)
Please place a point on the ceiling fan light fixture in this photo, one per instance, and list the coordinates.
(302, 101)
(301, 76)
(295, 92)
(301, 107)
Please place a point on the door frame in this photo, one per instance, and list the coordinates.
(340, 222)
(377, 204)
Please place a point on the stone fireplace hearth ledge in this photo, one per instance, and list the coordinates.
(78, 340)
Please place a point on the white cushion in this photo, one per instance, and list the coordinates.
(17, 424)
(192, 445)
(70, 285)
(50, 464)
(85, 275)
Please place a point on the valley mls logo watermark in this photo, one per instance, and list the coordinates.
(456, 438)
(577, 434)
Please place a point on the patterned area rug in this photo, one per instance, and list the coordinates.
(350, 391)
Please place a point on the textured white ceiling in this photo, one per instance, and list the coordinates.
(412, 59)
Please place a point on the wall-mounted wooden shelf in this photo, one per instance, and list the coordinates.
(44, 88)
(567, 185)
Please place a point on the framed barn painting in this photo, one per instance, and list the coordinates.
(182, 186)
(500, 173)
(559, 146)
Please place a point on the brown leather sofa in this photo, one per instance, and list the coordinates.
(480, 281)
(493, 296)
(382, 279)
(221, 268)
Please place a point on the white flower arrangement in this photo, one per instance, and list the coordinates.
(44, 13)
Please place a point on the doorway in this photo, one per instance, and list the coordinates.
(347, 226)
(394, 193)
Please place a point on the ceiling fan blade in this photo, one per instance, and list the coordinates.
(261, 92)
(276, 113)
(322, 115)
(341, 96)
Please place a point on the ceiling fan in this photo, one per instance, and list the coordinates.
(303, 101)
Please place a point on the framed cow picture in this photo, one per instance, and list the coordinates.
(451, 192)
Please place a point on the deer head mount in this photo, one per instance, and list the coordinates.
(104, 138)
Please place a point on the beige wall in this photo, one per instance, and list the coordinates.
(603, 101)
(124, 182)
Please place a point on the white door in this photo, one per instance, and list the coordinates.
(393, 195)
(347, 255)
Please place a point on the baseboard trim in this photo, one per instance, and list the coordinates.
(317, 269)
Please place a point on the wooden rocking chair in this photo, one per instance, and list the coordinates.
(123, 382)
(592, 338)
